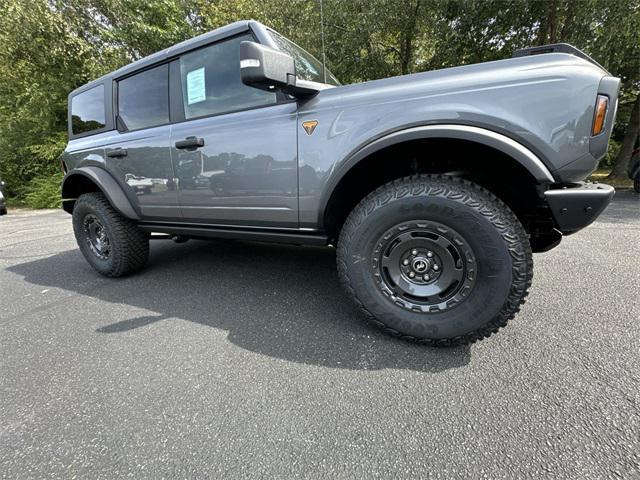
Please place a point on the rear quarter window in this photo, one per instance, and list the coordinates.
(88, 111)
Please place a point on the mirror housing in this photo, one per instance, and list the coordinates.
(270, 69)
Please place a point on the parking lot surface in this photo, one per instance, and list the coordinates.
(232, 359)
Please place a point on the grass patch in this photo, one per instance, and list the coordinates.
(15, 202)
(600, 175)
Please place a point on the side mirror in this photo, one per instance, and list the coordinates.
(269, 69)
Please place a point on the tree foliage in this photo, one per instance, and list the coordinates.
(50, 47)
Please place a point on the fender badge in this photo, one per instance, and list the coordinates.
(309, 126)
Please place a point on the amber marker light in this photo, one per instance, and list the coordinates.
(598, 118)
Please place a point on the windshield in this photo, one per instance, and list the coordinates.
(307, 66)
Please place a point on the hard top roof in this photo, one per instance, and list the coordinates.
(158, 57)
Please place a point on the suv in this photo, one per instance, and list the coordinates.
(434, 187)
(3, 203)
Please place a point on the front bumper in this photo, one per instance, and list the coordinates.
(577, 205)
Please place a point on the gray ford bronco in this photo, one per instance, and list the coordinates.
(435, 187)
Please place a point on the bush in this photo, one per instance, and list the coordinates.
(612, 153)
(44, 192)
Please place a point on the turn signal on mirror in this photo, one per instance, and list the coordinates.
(598, 119)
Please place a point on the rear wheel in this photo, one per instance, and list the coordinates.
(110, 242)
(434, 259)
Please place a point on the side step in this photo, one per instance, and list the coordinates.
(266, 235)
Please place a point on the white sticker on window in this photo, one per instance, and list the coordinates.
(196, 86)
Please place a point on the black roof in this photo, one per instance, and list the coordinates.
(158, 57)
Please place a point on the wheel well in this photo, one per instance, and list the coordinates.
(497, 172)
(73, 187)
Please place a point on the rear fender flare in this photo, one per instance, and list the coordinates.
(107, 185)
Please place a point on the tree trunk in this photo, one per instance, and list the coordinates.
(406, 46)
(542, 31)
(547, 28)
(631, 133)
(553, 21)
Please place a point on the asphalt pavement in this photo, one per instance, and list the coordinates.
(229, 359)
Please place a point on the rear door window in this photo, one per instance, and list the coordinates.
(211, 82)
(87, 111)
(143, 99)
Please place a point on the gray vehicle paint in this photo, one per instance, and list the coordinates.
(247, 164)
(537, 109)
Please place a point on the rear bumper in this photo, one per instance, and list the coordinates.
(577, 205)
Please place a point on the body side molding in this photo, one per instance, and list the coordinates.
(105, 182)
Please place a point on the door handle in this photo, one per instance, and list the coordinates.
(190, 143)
(117, 152)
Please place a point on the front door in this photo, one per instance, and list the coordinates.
(235, 152)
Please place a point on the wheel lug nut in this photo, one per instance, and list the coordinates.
(426, 278)
(414, 252)
(411, 274)
(436, 267)
(405, 261)
(429, 254)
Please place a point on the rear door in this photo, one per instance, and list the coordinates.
(234, 150)
(140, 158)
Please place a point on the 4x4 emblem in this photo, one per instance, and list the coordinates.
(309, 126)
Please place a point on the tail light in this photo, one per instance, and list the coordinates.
(601, 111)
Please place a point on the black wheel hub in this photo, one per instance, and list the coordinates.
(419, 265)
(96, 237)
(424, 266)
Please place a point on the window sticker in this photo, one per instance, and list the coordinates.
(196, 86)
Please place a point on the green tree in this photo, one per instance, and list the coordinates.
(42, 58)
(50, 47)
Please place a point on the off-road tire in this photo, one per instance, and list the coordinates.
(129, 246)
(499, 243)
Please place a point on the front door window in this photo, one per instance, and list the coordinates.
(211, 82)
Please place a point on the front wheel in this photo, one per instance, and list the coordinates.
(111, 243)
(435, 259)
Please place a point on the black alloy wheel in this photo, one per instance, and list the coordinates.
(424, 266)
(96, 237)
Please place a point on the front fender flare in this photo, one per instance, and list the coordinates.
(523, 155)
(501, 142)
(107, 185)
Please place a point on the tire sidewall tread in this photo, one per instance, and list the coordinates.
(129, 244)
(479, 204)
